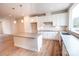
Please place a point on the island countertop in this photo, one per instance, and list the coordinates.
(26, 35)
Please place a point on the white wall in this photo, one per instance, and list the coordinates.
(14, 27)
(18, 26)
(27, 24)
(9, 27)
(6, 26)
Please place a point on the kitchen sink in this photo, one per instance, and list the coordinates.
(65, 33)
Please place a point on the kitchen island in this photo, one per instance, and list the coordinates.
(30, 41)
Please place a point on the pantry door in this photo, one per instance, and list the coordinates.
(34, 27)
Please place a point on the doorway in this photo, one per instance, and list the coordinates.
(34, 27)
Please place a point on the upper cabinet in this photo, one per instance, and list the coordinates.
(60, 19)
(57, 19)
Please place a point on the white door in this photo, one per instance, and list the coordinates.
(34, 27)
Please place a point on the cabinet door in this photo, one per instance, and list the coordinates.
(64, 51)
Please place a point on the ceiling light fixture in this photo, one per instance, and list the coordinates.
(13, 8)
(14, 22)
(32, 20)
(20, 5)
(14, 15)
(22, 21)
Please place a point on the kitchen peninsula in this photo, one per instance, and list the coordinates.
(30, 41)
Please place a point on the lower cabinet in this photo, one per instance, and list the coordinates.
(64, 50)
(49, 35)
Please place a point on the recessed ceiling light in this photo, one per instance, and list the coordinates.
(13, 8)
(20, 5)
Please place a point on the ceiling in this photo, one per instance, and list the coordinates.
(26, 9)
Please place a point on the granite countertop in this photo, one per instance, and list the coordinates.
(72, 44)
(75, 31)
(26, 35)
(47, 31)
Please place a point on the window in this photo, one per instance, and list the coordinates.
(75, 17)
(76, 22)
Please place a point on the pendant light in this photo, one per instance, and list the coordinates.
(14, 16)
(21, 12)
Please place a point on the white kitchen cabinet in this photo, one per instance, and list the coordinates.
(57, 20)
(48, 35)
(60, 19)
(28, 41)
(64, 51)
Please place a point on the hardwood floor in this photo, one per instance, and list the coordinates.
(50, 48)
